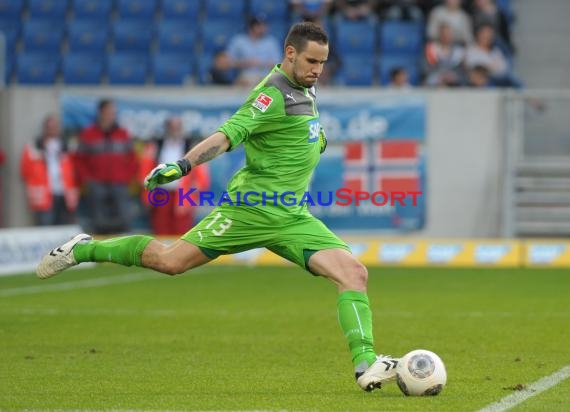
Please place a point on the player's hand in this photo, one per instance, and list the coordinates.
(322, 141)
(161, 174)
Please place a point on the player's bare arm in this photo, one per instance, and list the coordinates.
(208, 149)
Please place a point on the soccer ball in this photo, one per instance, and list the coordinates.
(421, 373)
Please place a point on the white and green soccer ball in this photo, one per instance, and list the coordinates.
(421, 373)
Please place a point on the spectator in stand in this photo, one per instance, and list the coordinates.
(311, 10)
(487, 12)
(484, 52)
(478, 77)
(403, 10)
(106, 165)
(452, 14)
(221, 71)
(355, 9)
(172, 218)
(253, 53)
(443, 60)
(48, 172)
(399, 79)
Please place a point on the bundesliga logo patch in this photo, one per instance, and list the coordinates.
(262, 102)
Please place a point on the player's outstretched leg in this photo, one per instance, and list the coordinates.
(355, 316)
(136, 250)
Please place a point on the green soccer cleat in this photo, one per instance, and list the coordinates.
(380, 372)
(60, 258)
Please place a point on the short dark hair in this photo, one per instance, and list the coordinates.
(396, 71)
(104, 103)
(484, 25)
(303, 32)
(481, 70)
(256, 20)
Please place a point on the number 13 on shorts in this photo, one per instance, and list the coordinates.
(221, 226)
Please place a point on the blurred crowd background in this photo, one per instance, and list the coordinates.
(98, 172)
(398, 43)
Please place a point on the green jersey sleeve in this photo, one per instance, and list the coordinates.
(263, 107)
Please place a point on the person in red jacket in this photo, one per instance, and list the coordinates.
(106, 164)
(172, 218)
(48, 172)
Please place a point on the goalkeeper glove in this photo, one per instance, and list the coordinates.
(322, 140)
(166, 173)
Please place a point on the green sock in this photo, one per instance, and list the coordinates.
(126, 251)
(355, 319)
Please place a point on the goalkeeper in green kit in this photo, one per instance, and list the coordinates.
(280, 130)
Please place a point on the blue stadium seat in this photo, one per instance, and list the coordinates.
(204, 63)
(225, 10)
(398, 37)
(10, 27)
(506, 7)
(356, 70)
(9, 67)
(176, 36)
(87, 35)
(272, 10)
(132, 35)
(54, 10)
(37, 68)
(127, 68)
(355, 37)
(278, 29)
(387, 63)
(92, 9)
(171, 68)
(11, 8)
(137, 9)
(180, 9)
(215, 35)
(83, 68)
(42, 35)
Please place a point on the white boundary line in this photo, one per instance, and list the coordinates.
(531, 390)
(77, 284)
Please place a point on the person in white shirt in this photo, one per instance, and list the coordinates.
(254, 53)
(452, 14)
(48, 172)
(485, 53)
(443, 60)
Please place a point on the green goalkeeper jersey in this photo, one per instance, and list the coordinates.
(279, 127)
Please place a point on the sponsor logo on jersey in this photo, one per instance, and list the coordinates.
(262, 102)
(314, 130)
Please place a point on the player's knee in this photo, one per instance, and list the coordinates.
(360, 275)
(356, 276)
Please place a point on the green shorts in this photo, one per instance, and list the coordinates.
(234, 229)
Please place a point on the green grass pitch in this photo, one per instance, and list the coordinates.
(235, 338)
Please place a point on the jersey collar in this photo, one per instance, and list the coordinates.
(293, 83)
